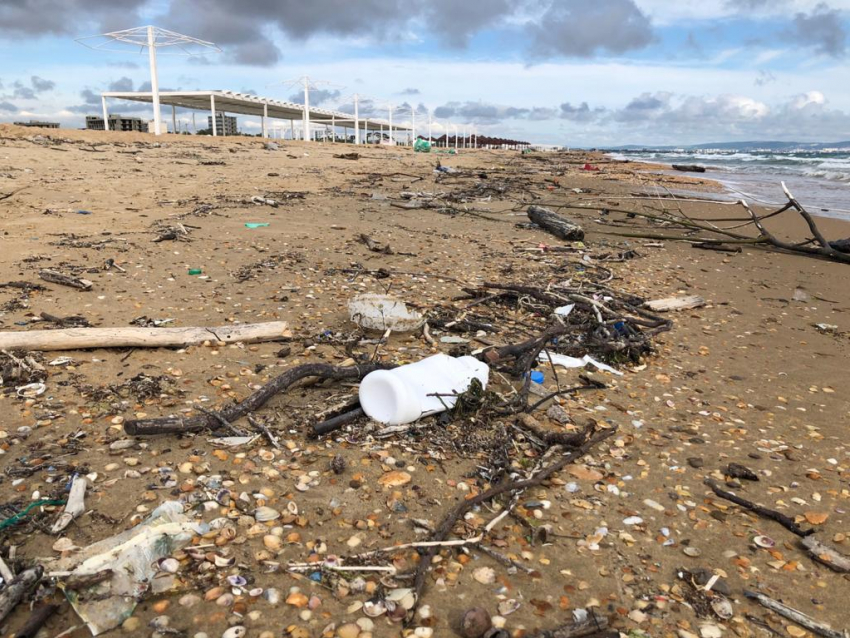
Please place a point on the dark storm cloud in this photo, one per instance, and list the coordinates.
(246, 30)
(8, 107)
(822, 29)
(24, 18)
(584, 29)
(580, 113)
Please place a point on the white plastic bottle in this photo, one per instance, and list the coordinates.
(419, 389)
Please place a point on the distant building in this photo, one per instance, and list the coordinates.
(117, 123)
(224, 124)
(38, 124)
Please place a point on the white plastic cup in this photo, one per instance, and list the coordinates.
(420, 389)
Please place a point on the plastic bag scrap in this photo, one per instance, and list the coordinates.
(573, 362)
(132, 557)
(382, 312)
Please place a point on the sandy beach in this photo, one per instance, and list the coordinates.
(758, 376)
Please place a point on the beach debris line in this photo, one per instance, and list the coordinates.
(84, 338)
(689, 168)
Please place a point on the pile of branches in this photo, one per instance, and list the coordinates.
(726, 233)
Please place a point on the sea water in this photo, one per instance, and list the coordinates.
(820, 180)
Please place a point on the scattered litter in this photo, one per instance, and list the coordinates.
(417, 390)
(675, 303)
(382, 312)
(131, 557)
(572, 362)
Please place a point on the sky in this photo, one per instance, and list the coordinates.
(565, 72)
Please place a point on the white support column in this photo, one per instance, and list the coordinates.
(356, 120)
(292, 129)
(391, 124)
(306, 110)
(157, 116)
(174, 119)
(105, 113)
(413, 125)
(212, 109)
(333, 128)
(265, 117)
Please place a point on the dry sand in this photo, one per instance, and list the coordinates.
(748, 378)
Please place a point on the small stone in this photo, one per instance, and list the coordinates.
(348, 630)
(131, 624)
(693, 552)
(475, 622)
(696, 462)
(485, 575)
(710, 631)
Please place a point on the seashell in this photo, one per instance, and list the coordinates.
(31, 390)
(213, 593)
(170, 565)
(256, 592)
(272, 595)
(723, 608)
(64, 545)
(160, 622)
(509, 606)
(228, 533)
(375, 608)
(265, 514)
(292, 508)
(223, 561)
(237, 581)
(267, 455)
(348, 630)
(237, 631)
(61, 361)
(225, 600)
(272, 542)
(764, 541)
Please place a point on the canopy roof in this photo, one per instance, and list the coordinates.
(247, 104)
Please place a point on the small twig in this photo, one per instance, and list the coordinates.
(786, 521)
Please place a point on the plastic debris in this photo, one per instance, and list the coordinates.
(382, 312)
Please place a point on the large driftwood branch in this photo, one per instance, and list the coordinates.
(555, 224)
(83, 338)
(825, 554)
(210, 419)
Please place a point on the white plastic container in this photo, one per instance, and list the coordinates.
(402, 396)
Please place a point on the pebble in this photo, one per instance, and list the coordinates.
(348, 630)
(475, 622)
(131, 624)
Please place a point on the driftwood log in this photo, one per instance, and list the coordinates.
(555, 224)
(65, 280)
(17, 589)
(83, 338)
(689, 168)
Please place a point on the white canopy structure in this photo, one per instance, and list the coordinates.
(219, 101)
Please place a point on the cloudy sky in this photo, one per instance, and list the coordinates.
(574, 72)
